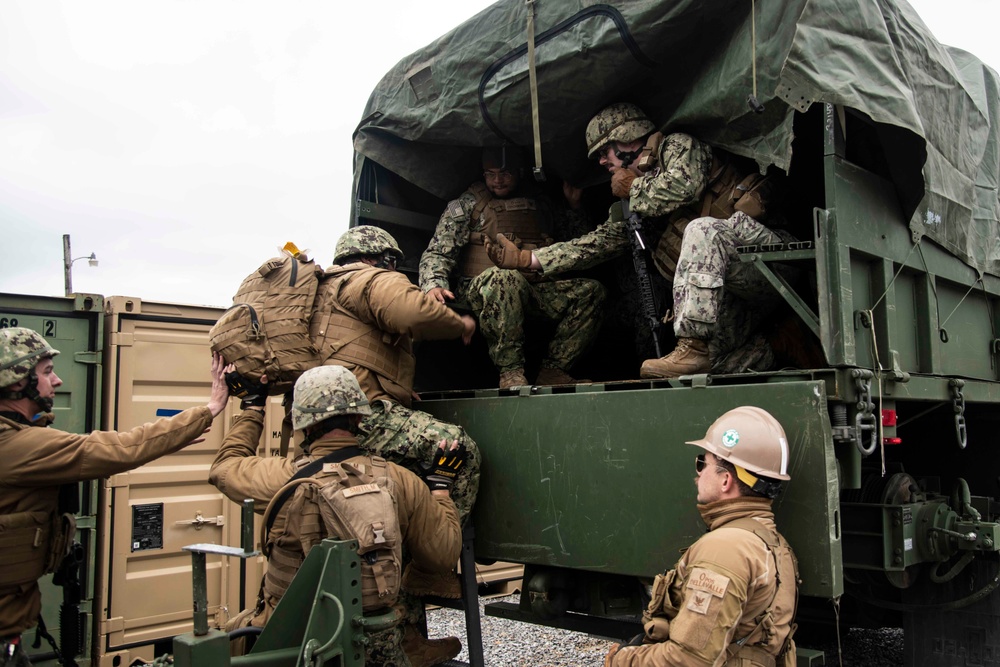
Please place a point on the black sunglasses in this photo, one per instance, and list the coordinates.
(700, 463)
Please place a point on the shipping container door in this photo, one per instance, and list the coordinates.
(158, 363)
(73, 326)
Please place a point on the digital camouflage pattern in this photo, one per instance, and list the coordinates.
(455, 228)
(619, 122)
(20, 351)
(503, 300)
(717, 297)
(678, 179)
(365, 240)
(324, 392)
(410, 438)
(386, 648)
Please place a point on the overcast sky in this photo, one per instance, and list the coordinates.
(182, 142)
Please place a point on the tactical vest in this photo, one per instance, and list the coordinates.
(340, 337)
(33, 543)
(746, 651)
(733, 185)
(516, 218)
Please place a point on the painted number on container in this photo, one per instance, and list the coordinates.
(6, 321)
(48, 328)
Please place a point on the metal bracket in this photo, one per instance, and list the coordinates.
(865, 418)
(958, 405)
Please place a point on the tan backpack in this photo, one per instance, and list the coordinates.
(355, 501)
(266, 331)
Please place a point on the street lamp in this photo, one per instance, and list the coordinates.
(68, 263)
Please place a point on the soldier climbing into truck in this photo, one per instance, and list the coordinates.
(328, 407)
(705, 204)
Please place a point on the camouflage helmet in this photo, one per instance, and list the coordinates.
(751, 439)
(324, 392)
(366, 240)
(20, 350)
(619, 122)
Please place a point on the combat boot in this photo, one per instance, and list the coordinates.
(424, 652)
(513, 378)
(550, 376)
(688, 358)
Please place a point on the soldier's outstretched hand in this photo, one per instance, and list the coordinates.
(220, 392)
(440, 294)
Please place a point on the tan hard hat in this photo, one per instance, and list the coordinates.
(749, 438)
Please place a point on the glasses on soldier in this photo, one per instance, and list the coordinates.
(497, 175)
(700, 464)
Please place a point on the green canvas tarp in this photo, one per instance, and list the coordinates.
(690, 64)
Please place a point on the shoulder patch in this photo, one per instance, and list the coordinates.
(706, 581)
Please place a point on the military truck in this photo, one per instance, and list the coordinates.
(888, 380)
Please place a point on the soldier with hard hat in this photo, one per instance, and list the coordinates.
(328, 408)
(731, 598)
(703, 205)
(37, 526)
(502, 299)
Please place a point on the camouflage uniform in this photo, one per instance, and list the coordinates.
(716, 297)
(502, 299)
(679, 180)
(389, 302)
(386, 648)
(405, 436)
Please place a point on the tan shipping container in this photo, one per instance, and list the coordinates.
(156, 364)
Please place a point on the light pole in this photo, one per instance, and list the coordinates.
(68, 263)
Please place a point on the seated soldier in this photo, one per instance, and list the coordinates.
(328, 407)
(706, 207)
(503, 299)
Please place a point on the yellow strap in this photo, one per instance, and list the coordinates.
(533, 82)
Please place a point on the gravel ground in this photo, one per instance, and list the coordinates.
(514, 644)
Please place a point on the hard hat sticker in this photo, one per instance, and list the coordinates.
(730, 438)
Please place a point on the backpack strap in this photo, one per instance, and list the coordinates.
(306, 471)
(772, 541)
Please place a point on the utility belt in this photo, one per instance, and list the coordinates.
(33, 544)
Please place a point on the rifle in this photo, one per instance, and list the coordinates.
(633, 223)
(70, 621)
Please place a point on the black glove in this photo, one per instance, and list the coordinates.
(254, 394)
(440, 474)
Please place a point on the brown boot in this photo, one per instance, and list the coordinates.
(514, 378)
(420, 583)
(550, 376)
(424, 652)
(688, 358)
